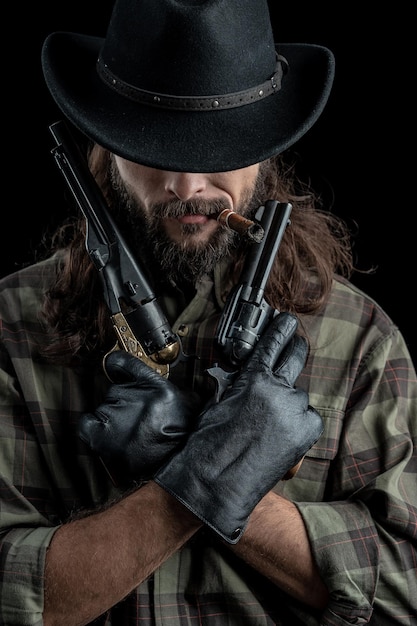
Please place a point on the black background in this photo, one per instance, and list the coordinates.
(358, 154)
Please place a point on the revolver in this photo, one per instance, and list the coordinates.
(246, 312)
(139, 322)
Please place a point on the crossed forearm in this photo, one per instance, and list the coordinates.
(275, 543)
(108, 554)
(94, 562)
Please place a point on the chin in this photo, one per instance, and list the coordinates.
(191, 236)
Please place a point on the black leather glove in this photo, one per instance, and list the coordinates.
(245, 444)
(143, 418)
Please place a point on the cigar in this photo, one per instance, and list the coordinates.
(243, 226)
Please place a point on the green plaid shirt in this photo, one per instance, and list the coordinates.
(356, 489)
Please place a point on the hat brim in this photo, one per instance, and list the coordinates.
(209, 141)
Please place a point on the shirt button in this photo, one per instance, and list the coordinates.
(183, 330)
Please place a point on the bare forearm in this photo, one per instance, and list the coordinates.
(108, 554)
(275, 543)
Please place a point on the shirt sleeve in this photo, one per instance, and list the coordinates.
(25, 533)
(46, 473)
(363, 535)
(27, 521)
(22, 559)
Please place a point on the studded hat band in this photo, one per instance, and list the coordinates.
(195, 103)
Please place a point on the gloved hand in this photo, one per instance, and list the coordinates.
(242, 446)
(143, 419)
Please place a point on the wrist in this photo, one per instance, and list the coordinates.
(180, 518)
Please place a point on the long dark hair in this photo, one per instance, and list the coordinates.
(318, 244)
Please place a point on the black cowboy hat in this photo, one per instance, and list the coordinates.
(189, 85)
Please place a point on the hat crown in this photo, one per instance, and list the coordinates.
(190, 47)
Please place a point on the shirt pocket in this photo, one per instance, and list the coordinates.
(312, 482)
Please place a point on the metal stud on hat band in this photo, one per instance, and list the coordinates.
(195, 103)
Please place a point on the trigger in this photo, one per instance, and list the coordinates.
(115, 347)
(222, 378)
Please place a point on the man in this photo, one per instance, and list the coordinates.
(131, 497)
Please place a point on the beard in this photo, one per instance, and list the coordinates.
(184, 261)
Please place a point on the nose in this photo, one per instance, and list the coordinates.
(185, 185)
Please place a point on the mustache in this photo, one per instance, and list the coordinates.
(179, 208)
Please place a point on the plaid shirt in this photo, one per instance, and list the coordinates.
(356, 489)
